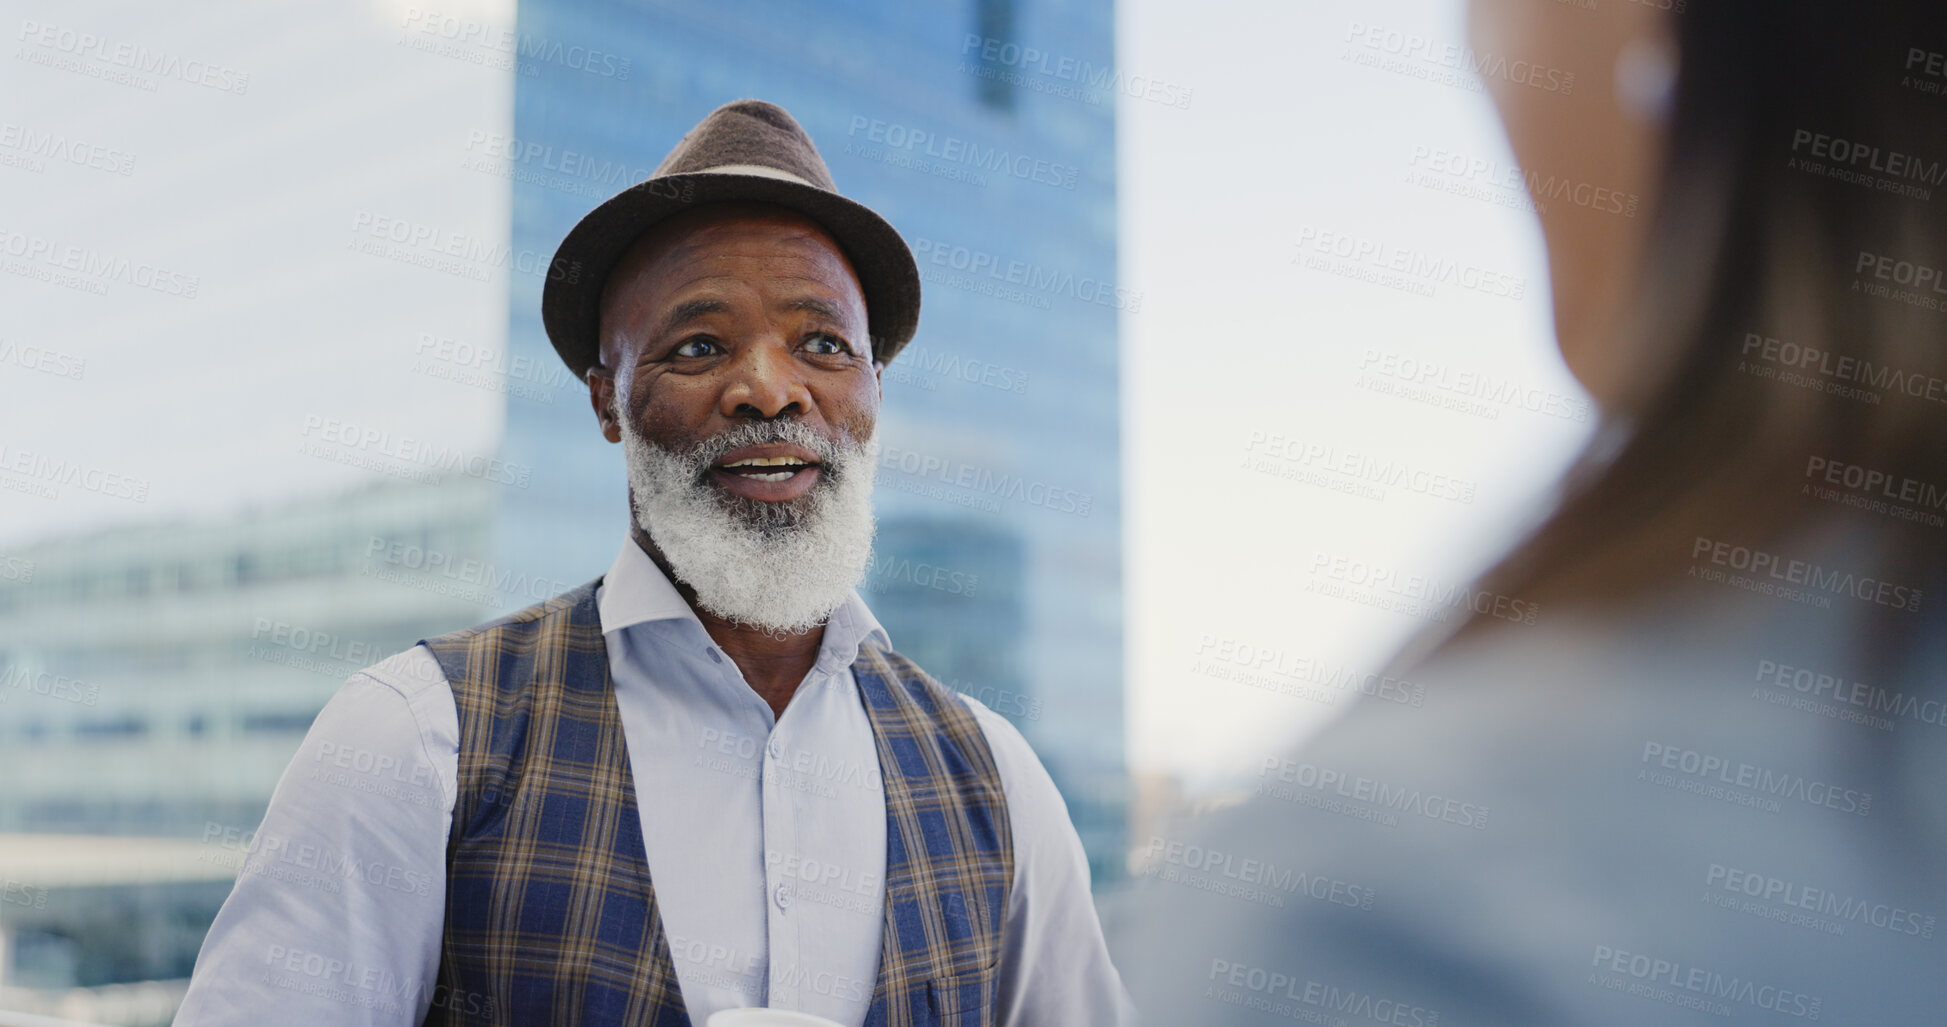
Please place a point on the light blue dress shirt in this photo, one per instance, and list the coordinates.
(766, 838)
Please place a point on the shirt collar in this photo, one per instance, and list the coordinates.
(636, 591)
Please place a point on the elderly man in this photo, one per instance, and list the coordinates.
(703, 780)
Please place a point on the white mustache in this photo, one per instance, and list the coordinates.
(700, 456)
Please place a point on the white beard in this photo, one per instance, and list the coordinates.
(780, 567)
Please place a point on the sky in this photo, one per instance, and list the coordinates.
(1331, 284)
(1317, 155)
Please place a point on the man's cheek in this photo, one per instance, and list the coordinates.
(671, 414)
(859, 430)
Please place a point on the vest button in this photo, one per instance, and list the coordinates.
(776, 749)
(784, 896)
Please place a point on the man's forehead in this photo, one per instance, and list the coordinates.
(699, 244)
(720, 252)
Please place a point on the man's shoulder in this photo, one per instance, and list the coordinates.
(412, 673)
(1013, 757)
(907, 673)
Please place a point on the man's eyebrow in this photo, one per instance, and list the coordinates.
(690, 310)
(814, 305)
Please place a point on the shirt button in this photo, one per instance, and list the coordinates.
(776, 749)
(716, 656)
(784, 896)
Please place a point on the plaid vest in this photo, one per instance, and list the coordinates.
(550, 914)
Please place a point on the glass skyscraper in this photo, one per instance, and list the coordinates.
(984, 130)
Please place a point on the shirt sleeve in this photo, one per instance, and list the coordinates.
(1055, 966)
(340, 900)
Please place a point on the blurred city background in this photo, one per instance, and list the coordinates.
(1220, 307)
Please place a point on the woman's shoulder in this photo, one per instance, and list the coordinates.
(1568, 828)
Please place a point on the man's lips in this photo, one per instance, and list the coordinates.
(774, 472)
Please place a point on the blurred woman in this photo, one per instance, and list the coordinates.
(1708, 783)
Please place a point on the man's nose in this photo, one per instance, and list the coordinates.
(765, 382)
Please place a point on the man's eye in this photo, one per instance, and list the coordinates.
(827, 343)
(700, 346)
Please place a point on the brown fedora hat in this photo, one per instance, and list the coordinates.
(745, 151)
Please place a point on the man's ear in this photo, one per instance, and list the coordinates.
(601, 395)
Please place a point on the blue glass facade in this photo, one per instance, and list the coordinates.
(984, 130)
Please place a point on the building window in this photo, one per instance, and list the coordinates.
(127, 726)
(277, 723)
(994, 24)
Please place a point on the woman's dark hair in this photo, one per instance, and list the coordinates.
(1790, 308)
